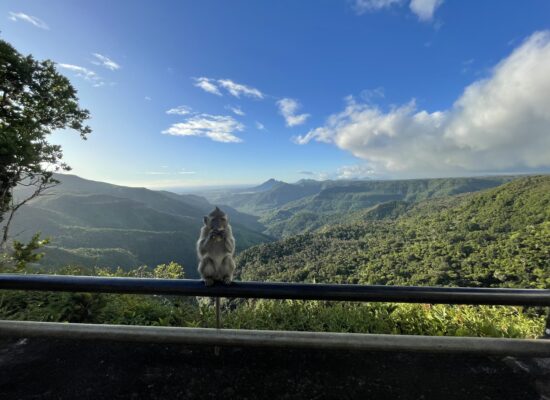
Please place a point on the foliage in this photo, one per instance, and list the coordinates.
(102, 308)
(500, 237)
(411, 319)
(22, 254)
(35, 101)
(407, 319)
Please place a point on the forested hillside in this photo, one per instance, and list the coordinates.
(98, 224)
(288, 209)
(499, 237)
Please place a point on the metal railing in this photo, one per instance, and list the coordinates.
(301, 291)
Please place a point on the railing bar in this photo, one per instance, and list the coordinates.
(298, 291)
(285, 339)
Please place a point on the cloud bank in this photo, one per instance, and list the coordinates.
(501, 123)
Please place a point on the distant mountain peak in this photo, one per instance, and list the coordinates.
(267, 185)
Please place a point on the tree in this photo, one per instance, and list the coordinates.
(25, 253)
(35, 100)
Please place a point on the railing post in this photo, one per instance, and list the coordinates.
(547, 327)
(218, 318)
(218, 324)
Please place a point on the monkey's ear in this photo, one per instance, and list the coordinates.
(205, 219)
(217, 209)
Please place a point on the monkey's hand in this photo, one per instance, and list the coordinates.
(217, 236)
(227, 280)
(208, 281)
(213, 236)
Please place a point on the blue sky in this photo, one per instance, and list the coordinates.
(297, 89)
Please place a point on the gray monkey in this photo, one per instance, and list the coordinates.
(215, 249)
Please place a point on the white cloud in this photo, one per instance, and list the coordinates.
(359, 171)
(424, 9)
(236, 110)
(105, 62)
(207, 85)
(501, 123)
(260, 126)
(362, 6)
(288, 108)
(219, 128)
(179, 110)
(237, 89)
(147, 98)
(371, 94)
(28, 18)
(84, 73)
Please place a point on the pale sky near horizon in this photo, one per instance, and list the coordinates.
(186, 93)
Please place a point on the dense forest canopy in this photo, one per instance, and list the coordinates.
(499, 237)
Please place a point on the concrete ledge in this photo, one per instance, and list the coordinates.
(285, 339)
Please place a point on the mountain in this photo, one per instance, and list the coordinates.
(265, 197)
(98, 224)
(267, 185)
(287, 209)
(497, 237)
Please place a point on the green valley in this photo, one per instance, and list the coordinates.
(97, 224)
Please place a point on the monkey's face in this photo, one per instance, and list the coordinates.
(217, 222)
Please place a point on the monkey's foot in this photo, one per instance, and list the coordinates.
(227, 280)
(208, 281)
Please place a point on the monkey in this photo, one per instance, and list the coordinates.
(215, 249)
